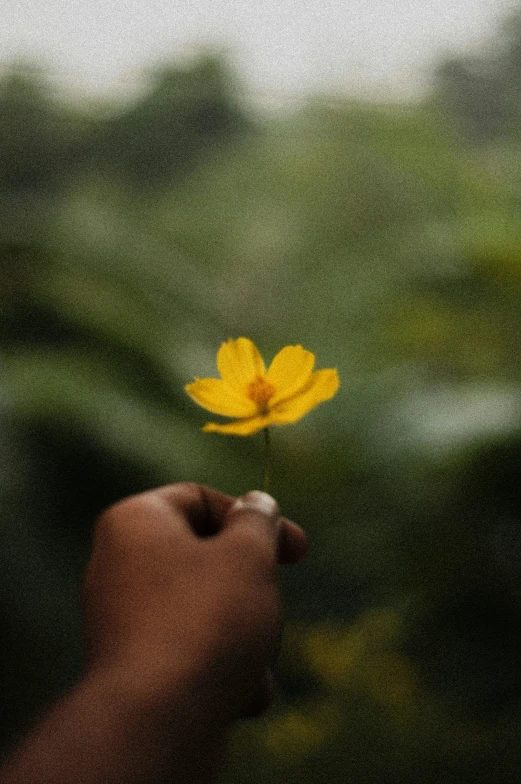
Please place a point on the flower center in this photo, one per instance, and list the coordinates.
(260, 390)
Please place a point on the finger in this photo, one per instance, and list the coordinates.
(202, 508)
(293, 542)
(205, 510)
(253, 520)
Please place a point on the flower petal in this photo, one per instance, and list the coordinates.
(289, 372)
(322, 385)
(241, 427)
(239, 362)
(220, 398)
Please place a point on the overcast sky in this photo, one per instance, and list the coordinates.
(282, 47)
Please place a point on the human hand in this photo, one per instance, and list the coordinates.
(181, 608)
(181, 596)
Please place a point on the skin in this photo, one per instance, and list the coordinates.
(182, 625)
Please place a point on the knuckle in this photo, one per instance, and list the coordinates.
(116, 521)
(188, 488)
(187, 492)
(111, 518)
(113, 513)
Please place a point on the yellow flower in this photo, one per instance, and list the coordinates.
(256, 397)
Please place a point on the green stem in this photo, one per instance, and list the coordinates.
(267, 459)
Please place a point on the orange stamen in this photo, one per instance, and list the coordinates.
(260, 391)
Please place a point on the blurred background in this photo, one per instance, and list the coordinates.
(347, 178)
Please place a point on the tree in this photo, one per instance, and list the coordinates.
(186, 113)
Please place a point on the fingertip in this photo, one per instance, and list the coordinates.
(293, 543)
(257, 501)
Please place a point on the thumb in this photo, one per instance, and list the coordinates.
(254, 517)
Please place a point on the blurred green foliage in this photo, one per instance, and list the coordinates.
(132, 242)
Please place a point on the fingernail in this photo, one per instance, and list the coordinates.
(257, 501)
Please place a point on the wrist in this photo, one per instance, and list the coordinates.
(115, 727)
(161, 679)
(166, 714)
(164, 692)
